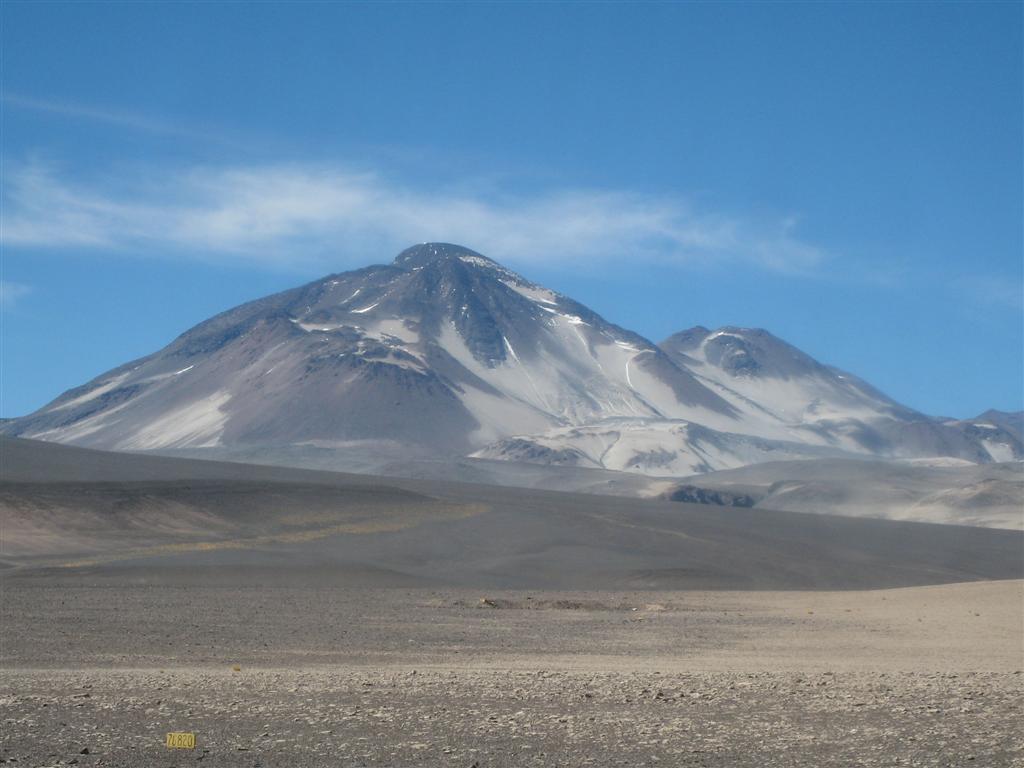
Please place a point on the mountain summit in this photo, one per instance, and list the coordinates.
(426, 254)
(444, 352)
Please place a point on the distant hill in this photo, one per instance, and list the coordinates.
(92, 513)
(964, 494)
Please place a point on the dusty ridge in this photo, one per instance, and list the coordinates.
(207, 517)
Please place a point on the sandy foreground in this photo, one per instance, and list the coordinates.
(97, 672)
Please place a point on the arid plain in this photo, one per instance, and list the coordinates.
(298, 618)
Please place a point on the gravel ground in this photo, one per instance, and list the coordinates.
(97, 672)
(375, 717)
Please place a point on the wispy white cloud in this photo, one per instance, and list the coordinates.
(993, 292)
(10, 292)
(75, 111)
(299, 216)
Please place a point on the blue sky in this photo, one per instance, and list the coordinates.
(847, 176)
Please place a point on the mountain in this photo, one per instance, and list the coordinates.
(442, 349)
(991, 428)
(445, 353)
(1011, 421)
(790, 407)
(760, 373)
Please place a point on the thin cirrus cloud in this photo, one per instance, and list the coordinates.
(301, 216)
(11, 292)
(113, 117)
(995, 292)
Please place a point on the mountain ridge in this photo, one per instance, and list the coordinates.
(446, 352)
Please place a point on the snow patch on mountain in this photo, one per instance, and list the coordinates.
(196, 425)
(532, 292)
(92, 394)
(656, 447)
(999, 451)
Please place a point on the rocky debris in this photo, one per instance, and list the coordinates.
(530, 603)
(392, 716)
(693, 494)
(433, 677)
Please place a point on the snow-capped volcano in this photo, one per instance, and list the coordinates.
(442, 348)
(447, 352)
